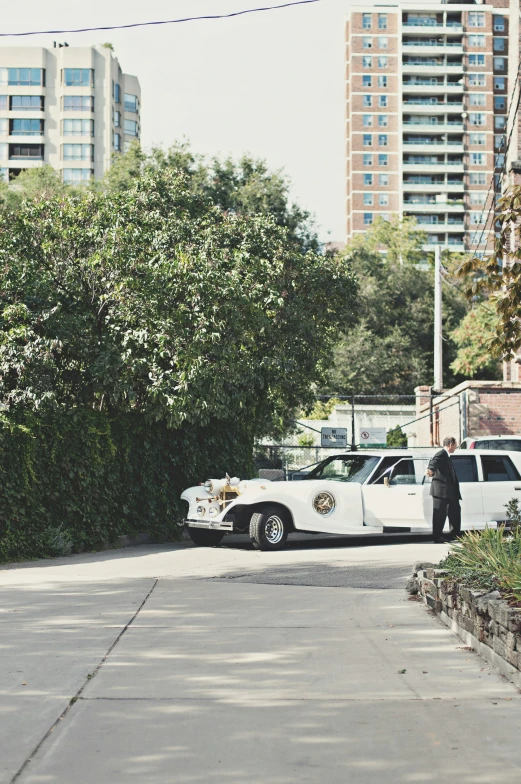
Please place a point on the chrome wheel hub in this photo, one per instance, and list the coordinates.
(274, 529)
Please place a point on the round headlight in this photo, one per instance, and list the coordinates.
(208, 485)
(201, 511)
(213, 511)
(242, 487)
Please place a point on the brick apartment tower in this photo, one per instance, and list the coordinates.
(427, 92)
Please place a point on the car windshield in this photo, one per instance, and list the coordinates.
(353, 468)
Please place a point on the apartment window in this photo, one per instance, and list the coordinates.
(368, 218)
(367, 42)
(499, 23)
(78, 152)
(476, 118)
(383, 180)
(500, 103)
(26, 151)
(367, 120)
(3, 103)
(500, 44)
(476, 19)
(383, 120)
(383, 42)
(368, 199)
(26, 127)
(368, 159)
(499, 63)
(499, 82)
(367, 61)
(116, 92)
(477, 218)
(500, 161)
(367, 81)
(382, 140)
(4, 152)
(131, 128)
(367, 21)
(383, 200)
(77, 175)
(477, 158)
(24, 77)
(382, 81)
(382, 21)
(78, 77)
(478, 178)
(383, 159)
(500, 122)
(382, 62)
(476, 40)
(116, 142)
(78, 127)
(117, 119)
(499, 141)
(368, 179)
(477, 80)
(131, 103)
(476, 59)
(26, 103)
(368, 139)
(367, 100)
(4, 127)
(382, 101)
(78, 103)
(477, 138)
(477, 99)
(477, 197)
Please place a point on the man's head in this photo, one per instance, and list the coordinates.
(450, 444)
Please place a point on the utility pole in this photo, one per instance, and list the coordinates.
(438, 344)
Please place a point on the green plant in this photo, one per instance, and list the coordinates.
(396, 437)
(513, 513)
(306, 439)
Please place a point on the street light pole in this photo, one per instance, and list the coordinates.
(438, 340)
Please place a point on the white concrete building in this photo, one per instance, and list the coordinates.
(69, 107)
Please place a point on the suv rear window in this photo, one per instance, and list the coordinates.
(504, 444)
(499, 469)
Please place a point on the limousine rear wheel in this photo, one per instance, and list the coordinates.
(269, 528)
(205, 538)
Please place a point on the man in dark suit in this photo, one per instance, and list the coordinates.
(445, 491)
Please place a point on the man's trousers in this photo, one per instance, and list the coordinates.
(441, 508)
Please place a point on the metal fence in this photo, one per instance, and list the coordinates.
(414, 421)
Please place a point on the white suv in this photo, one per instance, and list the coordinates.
(506, 443)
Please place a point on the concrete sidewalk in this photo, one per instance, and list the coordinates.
(234, 675)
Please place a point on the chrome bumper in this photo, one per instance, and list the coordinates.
(210, 525)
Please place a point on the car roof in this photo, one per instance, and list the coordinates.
(494, 438)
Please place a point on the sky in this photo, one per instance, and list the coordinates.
(269, 84)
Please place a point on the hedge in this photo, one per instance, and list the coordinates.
(75, 481)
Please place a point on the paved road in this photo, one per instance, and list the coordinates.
(226, 665)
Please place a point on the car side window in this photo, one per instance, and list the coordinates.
(499, 469)
(403, 473)
(483, 445)
(466, 468)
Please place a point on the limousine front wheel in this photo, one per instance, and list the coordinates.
(269, 528)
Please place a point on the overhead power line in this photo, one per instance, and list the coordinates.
(162, 22)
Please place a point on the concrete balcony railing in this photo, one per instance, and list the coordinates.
(440, 167)
(424, 106)
(437, 206)
(436, 227)
(427, 147)
(436, 187)
(428, 68)
(422, 27)
(426, 48)
(457, 247)
(432, 89)
(440, 127)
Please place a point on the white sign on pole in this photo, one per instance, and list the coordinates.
(334, 436)
(373, 436)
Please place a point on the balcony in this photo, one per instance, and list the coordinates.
(428, 47)
(426, 66)
(440, 167)
(424, 225)
(433, 206)
(428, 87)
(457, 247)
(427, 106)
(439, 127)
(433, 187)
(427, 146)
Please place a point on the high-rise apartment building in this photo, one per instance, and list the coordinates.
(428, 89)
(70, 107)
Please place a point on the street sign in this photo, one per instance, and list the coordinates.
(373, 436)
(334, 436)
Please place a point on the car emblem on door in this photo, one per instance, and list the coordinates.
(324, 503)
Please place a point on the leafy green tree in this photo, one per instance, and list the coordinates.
(474, 337)
(152, 299)
(396, 437)
(497, 276)
(41, 183)
(390, 349)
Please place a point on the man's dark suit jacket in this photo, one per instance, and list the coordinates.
(444, 482)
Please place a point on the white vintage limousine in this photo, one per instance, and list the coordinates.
(351, 493)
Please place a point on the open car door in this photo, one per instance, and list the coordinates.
(395, 499)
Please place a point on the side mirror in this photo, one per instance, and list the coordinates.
(386, 481)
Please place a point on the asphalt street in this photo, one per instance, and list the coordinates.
(160, 664)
